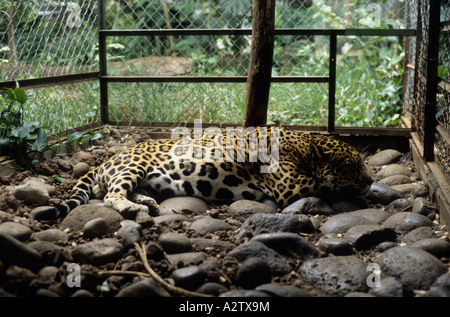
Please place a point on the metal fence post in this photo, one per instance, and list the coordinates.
(102, 63)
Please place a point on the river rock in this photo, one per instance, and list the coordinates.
(438, 247)
(209, 224)
(253, 272)
(169, 218)
(411, 189)
(189, 277)
(334, 245)
(393, 169)
(33, 192)
(15, 230)
(384, 157)
(95, 228)
(278, 290)
(375, 215)
(366, 236)
(98, 252)
(80, 169)
(289, 244)
(418, 234)
(382, 194)
(406, 221)
(389, 287)
(15, 252)
(173, 242)
(143, 288)
(423, 206)
(309, 205)
(342, 222)
(249, 207)
(395, 180)
(180, 204)
(278, 264)
(413, 267)
(259, 223)
(78, 217)
(337, 275)
(51, 235)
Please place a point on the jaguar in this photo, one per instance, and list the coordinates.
(253, 164)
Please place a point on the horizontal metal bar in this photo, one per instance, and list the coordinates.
(212, 79)
(380, 32)
(50, 81)
(325, 32)
(406, 132)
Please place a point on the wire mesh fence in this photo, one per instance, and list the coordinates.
(52, 38)
(442, 147)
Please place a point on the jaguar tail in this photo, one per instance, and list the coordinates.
(79, 196)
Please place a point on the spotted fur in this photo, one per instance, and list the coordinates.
(222, 169)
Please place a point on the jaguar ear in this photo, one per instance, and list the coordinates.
(316, 151)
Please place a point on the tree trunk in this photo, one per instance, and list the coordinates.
(261, 57)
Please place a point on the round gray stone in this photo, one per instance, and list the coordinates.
(375, 215)
(309, 205)
(253, 248)
(209, 224)
(253, 272)
(384, 157)
(33, 192)
(395, 180)
(258, 223)
(335, 246)
(189, 277)
(51, 235)
(15, 230)
(393, 169)
(382, 194)
(249, 207)
(342, 222)
(289, 244)
(413, 267)
(173, 242)
(406, 221)
(337, 275)
(77, 218)
(15, 252)
(389, 287)
(438, 247)
(80, 169)
(418, 234)
(98, 252)
(178, 204)
(366, 236)
(95, 228)
(143, 288)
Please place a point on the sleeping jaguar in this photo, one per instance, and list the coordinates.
(254, 164)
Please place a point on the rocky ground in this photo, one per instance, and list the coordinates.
(390, 244)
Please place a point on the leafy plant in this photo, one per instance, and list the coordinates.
(81, 138)
(16, 137)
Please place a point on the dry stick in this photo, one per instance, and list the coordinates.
(157, 278)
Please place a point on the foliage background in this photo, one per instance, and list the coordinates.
(37, 41)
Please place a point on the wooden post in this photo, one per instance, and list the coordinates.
(261, 57)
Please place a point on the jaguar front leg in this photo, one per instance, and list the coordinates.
(145, 200)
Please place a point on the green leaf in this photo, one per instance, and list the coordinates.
(74, 136)
(86, 138)
(58, 178)
(17, 94)
(21, 132)
(40, 142)
(96, 136)
(5, 142)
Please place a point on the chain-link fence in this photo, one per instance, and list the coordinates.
(443, 96)
(43, 38)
